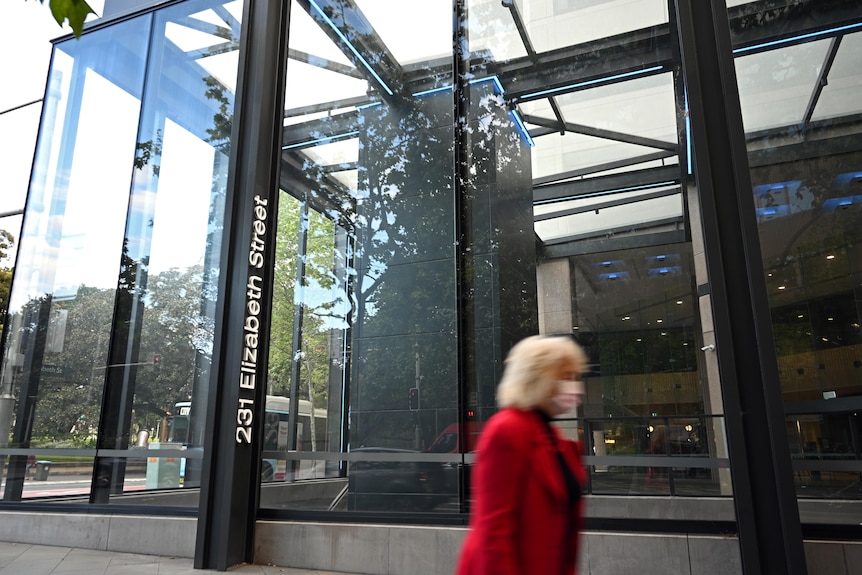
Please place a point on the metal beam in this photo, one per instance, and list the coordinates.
(611, 184)
(769, 24)
(605, 205)
(600, 62)
(346, 25)
(822, 80)
(770, 535)
(319, 130)
(610, 244)
(324, 64)
(600, 133)
(598, 168)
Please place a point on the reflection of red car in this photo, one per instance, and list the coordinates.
(449, 439)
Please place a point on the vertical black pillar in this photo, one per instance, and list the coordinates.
(229, 490)
(766, 509)
(463, 222)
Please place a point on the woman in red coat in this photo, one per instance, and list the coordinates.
(527, 504)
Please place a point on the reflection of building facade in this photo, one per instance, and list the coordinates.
(306, 235)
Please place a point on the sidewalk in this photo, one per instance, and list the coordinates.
(26, 559)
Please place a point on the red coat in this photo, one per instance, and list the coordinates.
(520, 524)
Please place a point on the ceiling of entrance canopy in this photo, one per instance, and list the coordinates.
(352, 52)
(211, 38)
(592, 81)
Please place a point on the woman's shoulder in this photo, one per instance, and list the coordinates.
(512, 419)
(509, 415)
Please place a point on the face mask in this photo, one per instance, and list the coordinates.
(569, 395)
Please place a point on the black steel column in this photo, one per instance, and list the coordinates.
(766, 509)
(231, 466)
(463, 234)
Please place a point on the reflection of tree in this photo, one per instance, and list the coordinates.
(219, 133)
(7, 240)
(146, 151)
(74, 398)
(406, 253)
(320, 304)
(176, 331)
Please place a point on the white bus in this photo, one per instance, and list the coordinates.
(310, 435)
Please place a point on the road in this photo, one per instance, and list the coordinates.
(69, 485)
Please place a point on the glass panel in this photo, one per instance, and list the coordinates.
(369, 154)
(364, 161)
(805, 152)
(409, 43)
(776, 86)
(114, 361)
(168, 283)
(555, 24)
(365, 228)
(651, 456)
(838, 98)
(825, 449)
(61, 306)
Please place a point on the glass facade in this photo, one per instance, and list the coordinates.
(437, 201)
(112, 312)
(801, 130)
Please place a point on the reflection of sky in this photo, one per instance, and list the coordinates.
(27, 48)
(98, 185)
(182, 201)
(414, 31)
(83, 246)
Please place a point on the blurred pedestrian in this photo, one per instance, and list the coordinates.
(527, 505)
(31, 463)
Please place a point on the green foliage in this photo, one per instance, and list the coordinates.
(6, 243)
(73, 11)
(7, 240)
(5, 286)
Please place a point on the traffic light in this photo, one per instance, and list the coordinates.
(414, 398)
(157, 362)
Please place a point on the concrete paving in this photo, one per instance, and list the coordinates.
(26, 559)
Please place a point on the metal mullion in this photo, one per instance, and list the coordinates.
(230, 484)
(770, 535)
(821, 80)
(558, 114)
(519, 24)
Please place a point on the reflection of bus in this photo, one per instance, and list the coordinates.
(275, 435)
(275, 431)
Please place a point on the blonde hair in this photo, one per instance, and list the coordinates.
(532, 368)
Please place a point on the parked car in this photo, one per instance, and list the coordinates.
(397, 483)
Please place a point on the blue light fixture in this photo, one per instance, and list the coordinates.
(521, 127)
(552, 91)
(828, 32)
(432, 91)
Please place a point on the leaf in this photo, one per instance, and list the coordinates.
(75, 11)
